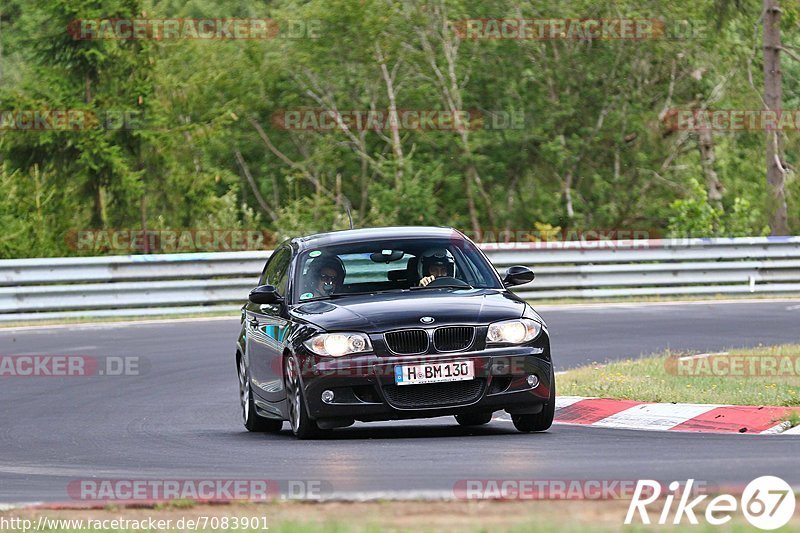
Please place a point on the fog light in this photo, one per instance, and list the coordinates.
(327, 396)
(533, 381)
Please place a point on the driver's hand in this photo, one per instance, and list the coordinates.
(427, 279)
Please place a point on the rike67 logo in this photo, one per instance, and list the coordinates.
(767, 502)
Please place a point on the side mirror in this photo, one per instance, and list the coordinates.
(265, 294)
(518, 275)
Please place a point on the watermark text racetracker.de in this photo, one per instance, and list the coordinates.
(168, 240)
(54, 365)
(511, 365)
(732, 120)
(328, 120)
(734, 365)
(580, 239)
(78, 120)
(162, 490)
(559, 237)
(578, 29)
(208, 29)
(72, 120)
(545, 489)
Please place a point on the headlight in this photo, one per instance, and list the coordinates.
(513, 331)
(338, 344)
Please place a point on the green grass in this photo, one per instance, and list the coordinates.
(548, 526)
(554, 527)
(177, 504)
(649, 380)
(794, 418)
(556, 516)
(536, 518)
(551, 525)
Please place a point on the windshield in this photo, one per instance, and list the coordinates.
(392, 265)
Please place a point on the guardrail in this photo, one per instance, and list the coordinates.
(211, 282)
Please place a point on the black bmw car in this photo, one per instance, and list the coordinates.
(390, 323)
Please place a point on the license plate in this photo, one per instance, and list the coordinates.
(434, 372)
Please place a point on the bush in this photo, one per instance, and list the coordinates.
(694, 216)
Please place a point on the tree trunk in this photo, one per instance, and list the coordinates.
(254, 186)
(99, 210)
(1, 51)
(363, 180)
(394, 125)
(143, 215)
(776, 193)
(473, 213)
(707, 158)
(511, 196)
(567, 193)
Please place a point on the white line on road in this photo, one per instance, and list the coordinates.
(112, 325)
(606, 305)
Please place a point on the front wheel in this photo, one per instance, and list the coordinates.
(303, 427)
(540, 421)
(252, 420)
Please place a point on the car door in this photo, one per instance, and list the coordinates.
(267, 327)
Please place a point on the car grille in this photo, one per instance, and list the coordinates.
(407, 341)
(453, 339)
(434, 394)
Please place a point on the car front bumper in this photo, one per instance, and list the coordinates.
(364, 387)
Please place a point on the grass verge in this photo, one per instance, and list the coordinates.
(681, 378)
(592, 516)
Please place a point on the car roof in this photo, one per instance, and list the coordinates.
(350, 236)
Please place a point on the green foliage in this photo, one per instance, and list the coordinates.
(594, 150)
(694, 216)
(31, 214)
(309, 214)
(743, 220)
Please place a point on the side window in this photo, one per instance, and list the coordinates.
(276, 272)
(281, 280)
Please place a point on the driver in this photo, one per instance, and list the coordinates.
(327, 275)
(436, 263)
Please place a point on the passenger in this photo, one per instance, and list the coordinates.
(327, 276)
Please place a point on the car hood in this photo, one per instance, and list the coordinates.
(373, 313)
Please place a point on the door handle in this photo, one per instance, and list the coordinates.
(254, 323)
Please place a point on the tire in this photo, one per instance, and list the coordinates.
(252, 420)
(302, 425)
(474, 419)
(540, 421)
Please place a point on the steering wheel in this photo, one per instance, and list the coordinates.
(445, 281)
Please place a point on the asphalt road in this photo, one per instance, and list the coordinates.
(180, 419)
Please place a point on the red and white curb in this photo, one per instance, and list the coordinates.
(704, 418)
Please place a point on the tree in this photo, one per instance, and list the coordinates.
(773, 96)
